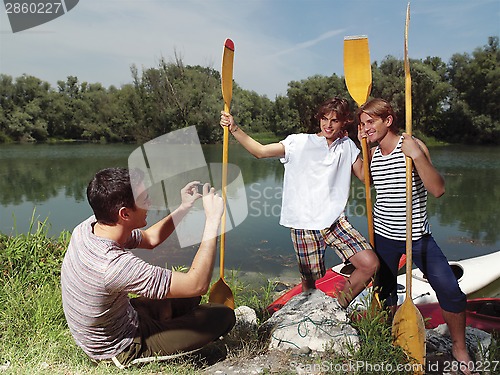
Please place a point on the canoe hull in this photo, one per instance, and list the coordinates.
(472, 274)
(481, 313)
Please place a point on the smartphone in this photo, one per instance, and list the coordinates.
(199, 188)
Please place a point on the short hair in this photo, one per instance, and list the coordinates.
(110, 190)
(338, 105)
(379, 108)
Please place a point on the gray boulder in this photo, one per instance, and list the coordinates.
(438, 348)
(311, 321)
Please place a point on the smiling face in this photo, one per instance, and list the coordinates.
(331, 127)
(375, 127)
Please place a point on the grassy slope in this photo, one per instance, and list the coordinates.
(34, 338)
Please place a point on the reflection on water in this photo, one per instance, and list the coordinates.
(53, 179)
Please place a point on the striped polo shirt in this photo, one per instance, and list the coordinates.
(97, 275)
(389, 213)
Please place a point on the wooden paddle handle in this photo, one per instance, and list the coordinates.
(366, 171)
(409, 162)
(227, 94)
(224, 194)
(409, 224)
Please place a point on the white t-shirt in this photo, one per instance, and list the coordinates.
(317, 180)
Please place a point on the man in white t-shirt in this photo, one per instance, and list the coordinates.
(316, 188)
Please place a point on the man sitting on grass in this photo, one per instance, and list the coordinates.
(98, 275)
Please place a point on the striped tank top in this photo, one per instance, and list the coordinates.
(389, 213)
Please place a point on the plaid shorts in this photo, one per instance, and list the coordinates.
(310, 246)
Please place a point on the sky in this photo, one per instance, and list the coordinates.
(276, 41)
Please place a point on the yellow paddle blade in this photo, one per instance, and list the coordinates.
(408, 332)
(227, 73)
(221, 293)
(357, 68)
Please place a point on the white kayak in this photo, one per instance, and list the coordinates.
(472, 274)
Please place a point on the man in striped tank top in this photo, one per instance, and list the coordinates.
(98, 275)
(377, 122)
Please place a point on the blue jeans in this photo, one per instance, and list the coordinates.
(429, 258)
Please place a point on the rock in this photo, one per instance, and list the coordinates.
(246, 325)
(305, 350)
(439, 340)
(313, 307)
(5, 366)
(438, 347)
(312, 320)
(246, 316)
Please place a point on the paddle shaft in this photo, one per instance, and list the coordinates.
(409, 164)
(366, 171)
(224, 193)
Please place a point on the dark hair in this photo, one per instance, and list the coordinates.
(379, 108)
(110, 190)
(340, 107)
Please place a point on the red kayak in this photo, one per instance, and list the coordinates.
(333, 281)
(481, 313)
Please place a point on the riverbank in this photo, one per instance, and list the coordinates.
(36, 340)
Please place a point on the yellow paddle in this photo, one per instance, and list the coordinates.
(220, 291)
(408, 328)
(358, 79)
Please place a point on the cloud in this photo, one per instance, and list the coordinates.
(309, 43)
(276, 41)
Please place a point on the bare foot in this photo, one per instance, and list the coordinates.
(464, 363)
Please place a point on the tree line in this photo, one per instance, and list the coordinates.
(457, 101)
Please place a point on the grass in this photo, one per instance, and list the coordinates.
(34, 338)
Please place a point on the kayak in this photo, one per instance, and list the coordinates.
(480, 313)
(333, 281)
(472, 274)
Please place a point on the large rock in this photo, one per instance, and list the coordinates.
(438, 348)
(246, 325)
(311, 321)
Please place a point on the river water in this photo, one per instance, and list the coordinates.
(49, 182)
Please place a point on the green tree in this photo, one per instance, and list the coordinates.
(24, 103)
(174, 96)
(474, 109)
(284, 119)
(253, 110)
(307, 95)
